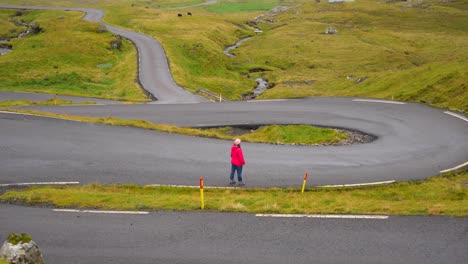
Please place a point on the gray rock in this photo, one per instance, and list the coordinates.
(22, 253)
(360, 80)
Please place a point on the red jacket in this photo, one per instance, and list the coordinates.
(237, 158)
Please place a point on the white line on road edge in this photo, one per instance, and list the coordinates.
(456, 115)
(16, 113)
(378, 101)
(39, 183)
(455, 168)
(52, 117)
(268, 100)
(380, 217)
(100, 212)
(359, 184)
(189, 186)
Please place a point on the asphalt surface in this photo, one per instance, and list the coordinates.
(194, 237)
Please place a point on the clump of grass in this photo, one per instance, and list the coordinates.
(16, 239)
(440, 195)
(295, 134)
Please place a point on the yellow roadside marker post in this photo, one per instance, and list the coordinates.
(304, 182)
(202, 198)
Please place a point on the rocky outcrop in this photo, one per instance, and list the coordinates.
(21, 253)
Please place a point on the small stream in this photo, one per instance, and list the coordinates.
(235, 46)
(261, 87)
(262, 84)
(4, 51)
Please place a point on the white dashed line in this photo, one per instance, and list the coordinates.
(455, 168)
(15, 113)
(456, 115)
(38, 183)
(378, 101)
(100, 212)
(270, 100)
(189, 186)
(332, 216)
(359, 184)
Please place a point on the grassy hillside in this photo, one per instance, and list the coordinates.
(411, 51)
(406, 53)
(69, 57)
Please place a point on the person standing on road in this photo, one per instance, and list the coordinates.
(237, 162)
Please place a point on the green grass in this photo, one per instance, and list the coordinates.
(52, 101)
(294, 134)
(69, 57)
(3, 261)
(230, 6)
(440, 195)
(290, 134)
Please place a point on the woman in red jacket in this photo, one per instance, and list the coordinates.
(237, 162)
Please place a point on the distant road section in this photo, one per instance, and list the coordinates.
(154, 73)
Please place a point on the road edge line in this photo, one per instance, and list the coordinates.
(378, 101)
(327, 216)
(100, 212)
(357, 184)
(455, 168)
(456, 115)
(38, 183)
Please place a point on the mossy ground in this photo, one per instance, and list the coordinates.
(15, 239)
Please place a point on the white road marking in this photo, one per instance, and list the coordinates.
(359, 184)
(189, 186)
(378, 101)
(270, 100)
(456, 115)
(455, 168)
(15, 113)
(100, 212)
(39, 183)
(379, 217)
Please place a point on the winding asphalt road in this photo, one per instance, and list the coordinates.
(413, 142)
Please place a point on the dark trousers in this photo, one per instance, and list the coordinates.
(235, 168)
